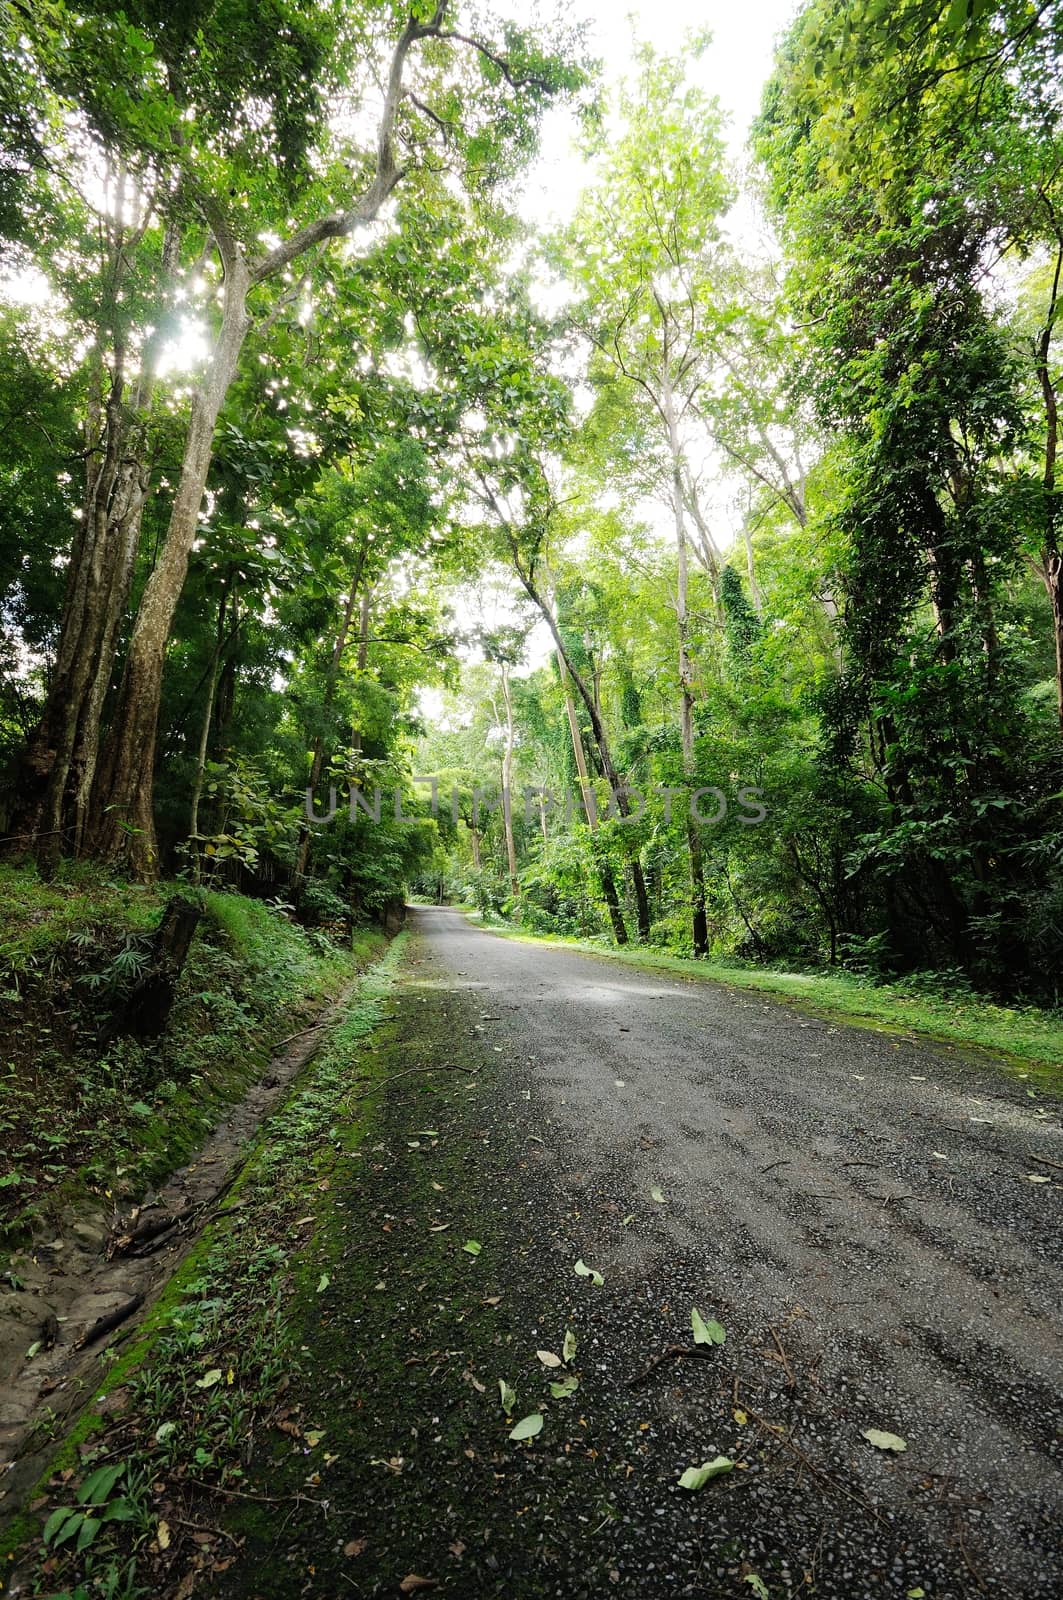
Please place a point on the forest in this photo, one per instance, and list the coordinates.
(323, 470)
(531, 799)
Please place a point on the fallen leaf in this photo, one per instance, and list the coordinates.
(322, 1283)
(354, 1547)
(163, 1431)
(568, 1349)
(508, 1395)
(705, 1332)
(740, 1417)
(657, 1194)
(1037, 1177)
(209, 1379)
(915, 1594)
(548, 1358)
(162, 1534)
(314, 1436)
(472, 1247)
(457, 1549)
(884, 1441)
(583, 1271)
(564, 1387)
(698, 1477)
(527, 1427)
(411, 1583)
(757, 1584)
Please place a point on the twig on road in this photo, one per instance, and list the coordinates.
(776, 1164)
(382, 1083)
(784, 1358)
(674, 1352)
(1042, 1162)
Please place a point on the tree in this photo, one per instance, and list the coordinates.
(186, 142)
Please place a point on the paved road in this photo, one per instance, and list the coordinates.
(857, 1211)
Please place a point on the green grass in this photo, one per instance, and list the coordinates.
(1022, 1036)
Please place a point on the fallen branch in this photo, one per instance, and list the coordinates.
(405, 1073)
(112, 1320)
(784, 1358)
(1042, 1162)
(674, 1352)
(147, 1228)
(299, 1034)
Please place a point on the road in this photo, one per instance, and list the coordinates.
(858, 1212)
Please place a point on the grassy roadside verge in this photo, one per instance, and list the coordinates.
(1023, 1038)
(88, 1118)
(179, 1407)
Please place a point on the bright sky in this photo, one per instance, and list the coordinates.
(734, 68)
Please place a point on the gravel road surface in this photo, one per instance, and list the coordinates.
(859, 1213)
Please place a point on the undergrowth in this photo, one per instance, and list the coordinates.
(91, 1117)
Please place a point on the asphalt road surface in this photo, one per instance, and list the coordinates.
(858, 1212)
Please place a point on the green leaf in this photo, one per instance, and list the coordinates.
(209, 1379)
(656, 1193)
(472, 1247)
(758, 1586)
(884, 1441)
(509, 1396)
(90, 1527)
(69, 1528)
(698, 1477)
(527, 1427)
(56, 1520)
(164, 1430)
(564, 1387)
(568, 1349)
(322, 1283)
(120, 1511)
(583, 1271)
(705, 1332)
(98, 1485)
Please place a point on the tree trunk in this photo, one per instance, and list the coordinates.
(507, 789)
(1051, 559)
(699, 920)
(146, 1011)
(204, 736)
(605, 875)
(124, 824)
(59, 763)
(317, 757)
